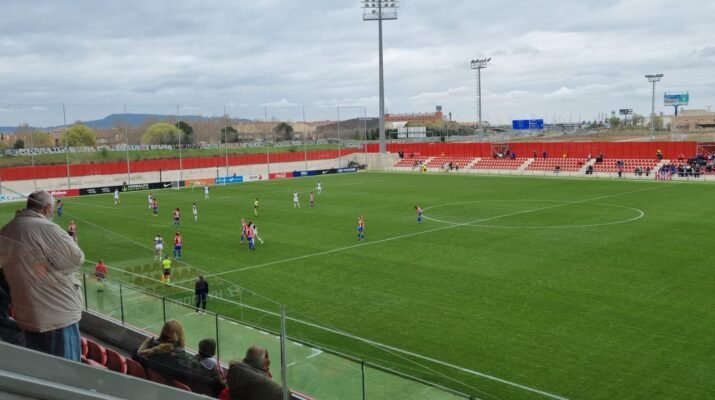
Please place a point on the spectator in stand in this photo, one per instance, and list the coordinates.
(545, 154)
(39, 261)
(166, 353)
(206, 367)
(250, 379)
(535, 154)
(659, 154)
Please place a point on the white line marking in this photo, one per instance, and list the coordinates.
(640, 215)
(422, 233)
(316, 353)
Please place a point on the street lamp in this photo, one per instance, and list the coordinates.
(478, 65)
(379, 10)
(653, 78)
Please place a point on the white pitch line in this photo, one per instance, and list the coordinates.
(422, 233)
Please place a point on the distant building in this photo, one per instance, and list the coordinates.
(436, 116)
(693, 121)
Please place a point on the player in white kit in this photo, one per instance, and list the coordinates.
(296, 202)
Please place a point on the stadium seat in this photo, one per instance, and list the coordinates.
(96, 352)
(181, 386)
(116, 362)
(84, 347)
(92, 363)
(156, 377)
(135, 369)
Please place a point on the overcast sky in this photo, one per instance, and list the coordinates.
(557, 59)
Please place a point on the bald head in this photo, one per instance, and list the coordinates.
(40, 201)
(255, 355)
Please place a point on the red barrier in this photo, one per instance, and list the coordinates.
(119, 167)
(280, 175)
(64, 193)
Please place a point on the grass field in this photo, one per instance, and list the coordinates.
(580, 289)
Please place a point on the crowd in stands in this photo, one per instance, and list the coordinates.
(41, 305)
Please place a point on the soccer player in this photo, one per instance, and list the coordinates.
(178, 243)
(255, 207)
(419, 214)
(249, 236)
(296, 202)
(100, 272)
(72, 230)
(150, 199)
(158, 246)
(243, 229)
(166, 271)
(319, 188)
(254, 228)
(312, 200)
(116, 196)
(206, 192)
(58, 208)
(155, 206)
(195, 210)
(177, 217)
(361, 228)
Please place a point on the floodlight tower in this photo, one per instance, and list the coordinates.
(653, 78)
(379, 10)
(478, 65)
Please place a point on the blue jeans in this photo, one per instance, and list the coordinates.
(63, 342)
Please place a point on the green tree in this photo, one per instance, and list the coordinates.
(41, 139)
(229, 134)
(19, 144)
(188, 136)
(161, 133)
(3, 145)
(283, 131)
(79, 135)
(658, 120)
(615, 122)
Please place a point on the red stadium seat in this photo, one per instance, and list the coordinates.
(181, 386)
(135, 369)
(156, 377)
(116, 362)
(92, 363)
(84, 347)
(96, 352)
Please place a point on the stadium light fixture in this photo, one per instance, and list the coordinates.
(653, 78)
(379, 10)
(478, 65)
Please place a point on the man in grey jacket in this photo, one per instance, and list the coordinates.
(40, 260)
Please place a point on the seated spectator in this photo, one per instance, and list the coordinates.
(557, 169)
(166, 353)
(206, 367)
(647, 171)
(659, 154)
(250, 379)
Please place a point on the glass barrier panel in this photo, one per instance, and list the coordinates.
(104, 297)
(142, 310)
(235, 338)
(381, 385)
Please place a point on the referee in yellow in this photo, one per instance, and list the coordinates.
(166, 267)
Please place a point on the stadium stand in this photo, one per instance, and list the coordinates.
(500, 163)
(549, 164)
(629, 164)
(411, 162)
(439, 162)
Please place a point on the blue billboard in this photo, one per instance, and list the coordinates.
(527, 124)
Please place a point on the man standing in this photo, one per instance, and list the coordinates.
(201, 290)
(40, 260)
(116, 196)
(100, 272)
(58, 208)
(72, 231)
(206, 192)
(296, 201)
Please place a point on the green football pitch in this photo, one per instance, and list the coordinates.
(511, 287)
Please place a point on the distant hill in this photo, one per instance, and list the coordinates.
(114, 120)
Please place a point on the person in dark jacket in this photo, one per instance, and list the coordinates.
(10, 331)
(201, 290)
(250, 379)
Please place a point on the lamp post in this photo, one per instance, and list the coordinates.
(653, 78)
(379, 10)
(478, 65)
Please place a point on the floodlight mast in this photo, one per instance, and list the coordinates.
(653, 78)
(478, 65)
(378, 10)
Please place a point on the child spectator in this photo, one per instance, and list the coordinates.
(208, 368)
